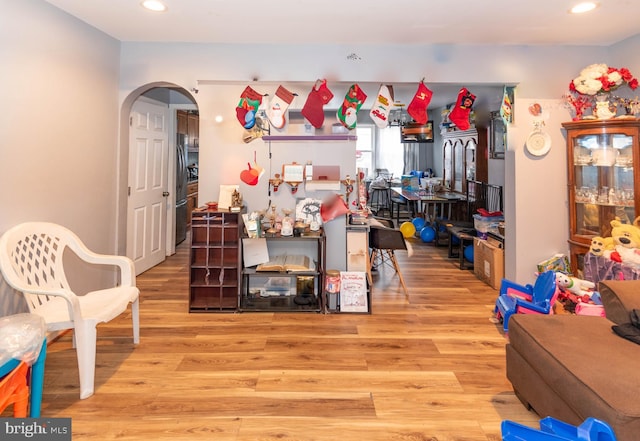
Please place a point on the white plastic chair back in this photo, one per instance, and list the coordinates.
(36, 260)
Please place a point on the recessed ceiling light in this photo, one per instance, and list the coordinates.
(584, 7)
(154, 5)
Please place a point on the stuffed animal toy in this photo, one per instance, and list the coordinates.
(602, 246)
(626, 235)
(628, 256)
(582, 289)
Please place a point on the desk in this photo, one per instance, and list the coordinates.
(430, 205)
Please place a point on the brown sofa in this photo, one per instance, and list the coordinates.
(573, 367)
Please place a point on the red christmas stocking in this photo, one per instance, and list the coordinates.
(246, 110)
(380, 111)
(418, 107)
(348, 112)
(313, 110)
(460, 113)
(278, 106)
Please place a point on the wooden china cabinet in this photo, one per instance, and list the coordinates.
(465, 158)
(602, 157)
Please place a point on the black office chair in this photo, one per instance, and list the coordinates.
(383, 241)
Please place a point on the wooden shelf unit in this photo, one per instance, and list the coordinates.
(215, 261)
(254, 293)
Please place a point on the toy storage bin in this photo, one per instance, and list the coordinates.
(484, 224)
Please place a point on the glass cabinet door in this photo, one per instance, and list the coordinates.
(458, 151)
(604, 182)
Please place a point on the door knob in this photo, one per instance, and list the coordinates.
(165, 193)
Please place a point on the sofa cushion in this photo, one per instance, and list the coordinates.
(581, 359)
(619, 298)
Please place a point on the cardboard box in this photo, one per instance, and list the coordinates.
(558, 262)
(488, 262)
(410, 183)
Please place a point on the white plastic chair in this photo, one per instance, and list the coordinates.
(31, 260)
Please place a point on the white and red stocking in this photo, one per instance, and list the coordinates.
(460, 113)
(418, 106)
(278, 106)
(382, 106)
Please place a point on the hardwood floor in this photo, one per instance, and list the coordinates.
(427, 367)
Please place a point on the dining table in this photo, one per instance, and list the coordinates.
(430, 204)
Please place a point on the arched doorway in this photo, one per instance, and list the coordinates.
(147, 172)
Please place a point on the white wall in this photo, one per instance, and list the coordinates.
(59, 126)
(541, 73)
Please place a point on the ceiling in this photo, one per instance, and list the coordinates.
(349, 24)
(495, 22)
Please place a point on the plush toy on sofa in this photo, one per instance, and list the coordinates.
(581, 289)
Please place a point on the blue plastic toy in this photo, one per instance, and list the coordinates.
(526, 299)
(551, 429)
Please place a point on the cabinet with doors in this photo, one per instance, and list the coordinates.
(602, 179)
(465, 158)
(193, 131)
(215, 265)
(188, 123)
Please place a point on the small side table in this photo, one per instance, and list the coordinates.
(465, 237)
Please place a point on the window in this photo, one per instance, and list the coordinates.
(379, 148)
(364, 149)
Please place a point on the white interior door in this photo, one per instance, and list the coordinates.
(147, 202)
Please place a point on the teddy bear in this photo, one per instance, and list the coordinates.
(626, 235)
(582, 289)
(626, 240)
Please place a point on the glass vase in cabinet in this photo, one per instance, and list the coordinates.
(603, 178)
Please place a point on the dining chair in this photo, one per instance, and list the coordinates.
(32, 262)
(384, 240)
(476, 198)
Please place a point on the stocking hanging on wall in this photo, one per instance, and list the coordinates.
(278, 106)
(246, 109)
(382, 106)
(348, 112)
(418, 107)
(460, 113)
(313, 110)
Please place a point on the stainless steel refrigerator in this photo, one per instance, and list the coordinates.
(181, 188)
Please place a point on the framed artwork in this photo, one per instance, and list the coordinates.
(293, 172)
(308, 210)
